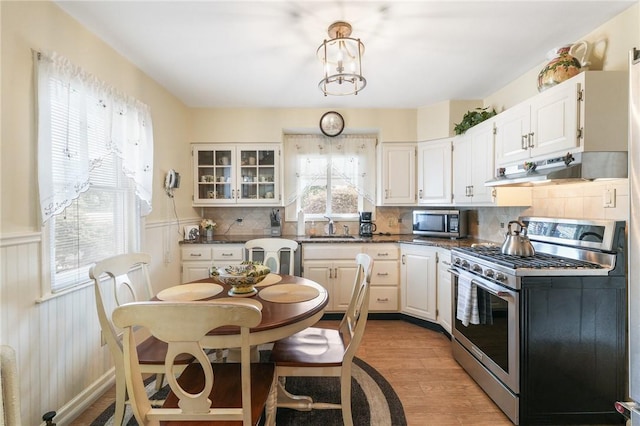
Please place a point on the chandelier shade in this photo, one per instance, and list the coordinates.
(341, 58)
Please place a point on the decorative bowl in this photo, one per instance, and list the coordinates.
(242, 278)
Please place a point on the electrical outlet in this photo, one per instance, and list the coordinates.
(609, 198)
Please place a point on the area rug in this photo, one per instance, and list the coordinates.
(374, 402)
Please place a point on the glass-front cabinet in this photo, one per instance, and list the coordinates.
(236, 174)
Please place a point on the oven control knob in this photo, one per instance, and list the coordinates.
(489, 273)
(456, 261)
(501, 277)
(465, 264)
(476, 268)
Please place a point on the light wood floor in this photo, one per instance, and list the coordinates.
(418, 364)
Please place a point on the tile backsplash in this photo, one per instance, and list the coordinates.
(589, 200)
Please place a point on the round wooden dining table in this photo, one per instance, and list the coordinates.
(280, 319)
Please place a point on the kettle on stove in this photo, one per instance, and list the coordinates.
(516, 242)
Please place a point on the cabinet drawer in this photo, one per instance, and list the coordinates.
(196, 253)
(383, 299)
(228, 253)
(382, 251)
(385, 273)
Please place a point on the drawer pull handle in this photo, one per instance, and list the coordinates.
(226, 254)
(382, 274)
(195, 254)
(386, 299)
(383, 254)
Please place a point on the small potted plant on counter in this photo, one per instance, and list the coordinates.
(208, 226)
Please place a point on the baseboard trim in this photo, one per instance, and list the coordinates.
(332, 316)
(72, 410)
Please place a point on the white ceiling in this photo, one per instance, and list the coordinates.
(263, 53)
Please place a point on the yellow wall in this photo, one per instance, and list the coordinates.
(268, 125)
(42, 26)
(611, 44)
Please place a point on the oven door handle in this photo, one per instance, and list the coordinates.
(488, 287)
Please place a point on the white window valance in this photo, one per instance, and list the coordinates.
(310, 158)
(82, 121)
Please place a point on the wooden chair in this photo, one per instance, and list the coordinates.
(273, 248)
(212, 393)
(112, 276)
(326, 352)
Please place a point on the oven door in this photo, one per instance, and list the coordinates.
(494, 341)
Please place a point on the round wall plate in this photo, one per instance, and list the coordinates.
(331, 123)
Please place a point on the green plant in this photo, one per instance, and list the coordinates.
(473, 117)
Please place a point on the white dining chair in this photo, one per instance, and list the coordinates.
(206, 392)
(326, 352)
(9, 387)
(114, 287)
(273, 249)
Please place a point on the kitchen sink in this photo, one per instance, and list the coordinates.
(333, 237)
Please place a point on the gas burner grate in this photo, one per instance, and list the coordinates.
(539, 261)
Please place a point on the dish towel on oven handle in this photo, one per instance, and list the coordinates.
(467, 309)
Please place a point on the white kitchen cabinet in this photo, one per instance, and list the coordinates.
(334, 267)
(581, 114)
(398, 174)
(473, 160)
(444, 291)
(236, 174)
(434, 171)
(198, 258)
(418, 278)
(385, 277)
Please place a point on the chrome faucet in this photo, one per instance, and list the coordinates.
(331, 230)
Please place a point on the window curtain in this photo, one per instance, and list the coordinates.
(352, 157)
(73, 108)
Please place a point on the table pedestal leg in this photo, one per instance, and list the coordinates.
(233, 354)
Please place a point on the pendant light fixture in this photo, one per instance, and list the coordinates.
(341, 57)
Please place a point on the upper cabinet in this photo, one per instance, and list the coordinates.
(584, 113)
(236, 174)
(473, 165)
(398, 176)
(434, 171)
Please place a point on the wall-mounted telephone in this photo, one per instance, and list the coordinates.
(171, 181)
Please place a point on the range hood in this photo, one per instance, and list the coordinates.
(571, 167)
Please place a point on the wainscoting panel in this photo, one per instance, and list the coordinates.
(62, 365)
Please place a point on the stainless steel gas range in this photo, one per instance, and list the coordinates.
(545, 335)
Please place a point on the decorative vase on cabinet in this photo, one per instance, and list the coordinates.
(564, 63)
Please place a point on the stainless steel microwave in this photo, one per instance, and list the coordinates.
(440, 223)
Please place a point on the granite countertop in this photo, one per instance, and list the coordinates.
(379, 238)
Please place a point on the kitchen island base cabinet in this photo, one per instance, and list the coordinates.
(418, 277)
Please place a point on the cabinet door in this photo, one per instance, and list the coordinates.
(481, 162)
(461, 169)
(344, 275)
(192, 271)
(214, 174)
(554, 120)
(444, 291)
(398, 174)
(258, 175)
(318, 271)
(418, 287)
(434, 172)
(512, 135)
